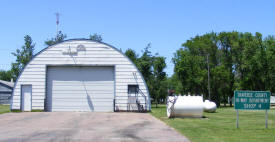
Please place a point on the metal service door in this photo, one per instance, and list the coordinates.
(26, 94)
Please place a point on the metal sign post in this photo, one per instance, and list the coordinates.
(252, 100)
(237, 121)
(266, 119)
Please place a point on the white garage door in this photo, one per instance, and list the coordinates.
(80, 88)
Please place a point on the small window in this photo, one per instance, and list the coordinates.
(132, 89)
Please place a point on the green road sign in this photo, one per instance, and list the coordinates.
(252, 100)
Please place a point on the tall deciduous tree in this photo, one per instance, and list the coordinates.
(23, 56)
(145, 63)
(269, 44)
(152, 68)
(173, 83)
(158, 85)
(132, 55)
(59, 38)
(96, 37)
(5, 75)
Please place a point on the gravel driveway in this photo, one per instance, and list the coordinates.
(84, 126)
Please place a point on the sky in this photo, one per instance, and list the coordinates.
(128, 24)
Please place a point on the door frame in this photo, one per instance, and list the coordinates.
(22, 97)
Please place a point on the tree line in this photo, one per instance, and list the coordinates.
(236, 61)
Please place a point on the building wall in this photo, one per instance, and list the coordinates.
(5, 94)
(95, 54)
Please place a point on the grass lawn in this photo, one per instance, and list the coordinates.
(221, 126)
(4, 109)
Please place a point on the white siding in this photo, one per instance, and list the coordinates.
(96, 54)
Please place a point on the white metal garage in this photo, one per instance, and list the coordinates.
(80, 88)
(80, 75)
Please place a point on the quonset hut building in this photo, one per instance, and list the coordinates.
(80, 75)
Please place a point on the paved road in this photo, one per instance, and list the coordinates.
(84, 126)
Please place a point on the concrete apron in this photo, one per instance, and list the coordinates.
(84, 126)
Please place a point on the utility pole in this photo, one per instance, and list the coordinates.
(208, 77)
(57, 23)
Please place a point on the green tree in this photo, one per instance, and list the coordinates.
(220, 84)
(237, 60)
(152, 69)
(59, 38)
(187, 68)
(96, 37)
(5, 75)
(145, 63)
(173, 83)
(132, 55)
(23, 56)
(227, 42)
(159, 87)
(269, 44)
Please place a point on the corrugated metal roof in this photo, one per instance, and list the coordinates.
(10, 84)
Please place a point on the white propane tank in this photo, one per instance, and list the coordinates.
(209, 106)
(185, 106)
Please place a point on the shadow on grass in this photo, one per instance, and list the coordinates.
(186, 118)
(18, 111)
(211, 112)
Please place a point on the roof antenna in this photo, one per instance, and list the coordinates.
(57, 23)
